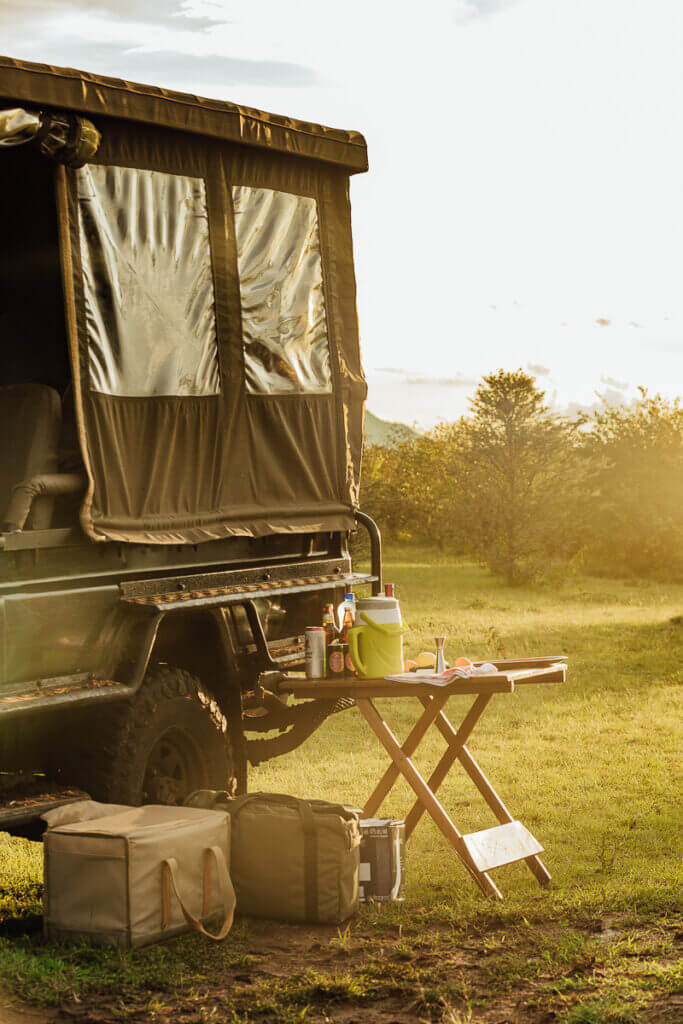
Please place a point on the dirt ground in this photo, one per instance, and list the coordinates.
(14, 1013)
(587, 766)
(287, 973)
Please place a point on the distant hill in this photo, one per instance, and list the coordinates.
(383, 432)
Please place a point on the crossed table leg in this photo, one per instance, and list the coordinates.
(480, 851)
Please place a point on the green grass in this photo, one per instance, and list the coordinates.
(590, 766)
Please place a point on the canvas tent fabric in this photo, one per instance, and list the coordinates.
(182, 449)
(44, 84)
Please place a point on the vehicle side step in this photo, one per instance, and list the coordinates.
(62, 692)
(21, 807)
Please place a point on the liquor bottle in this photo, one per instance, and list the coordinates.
(348, 602)
(328, 624)
(346, 626)
(336, 659)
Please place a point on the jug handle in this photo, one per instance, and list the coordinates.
(353, 648)
(383, 627)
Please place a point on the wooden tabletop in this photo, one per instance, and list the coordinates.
(510, 673)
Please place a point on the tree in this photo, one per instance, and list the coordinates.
(515, 451)
(520, 488)
(633, 471)
(412, 486)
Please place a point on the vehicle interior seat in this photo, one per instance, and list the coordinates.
(30, 424)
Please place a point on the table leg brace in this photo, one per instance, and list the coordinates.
(423, 792)
(432, 710)
(458, 751)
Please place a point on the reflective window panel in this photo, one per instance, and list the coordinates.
(284, 327)
(148, 283)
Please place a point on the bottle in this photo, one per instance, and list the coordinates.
(440, 666)
(328, 623)
(348, 602)
(336, 659)
(389, 590)
(330, 627)
(346, 626)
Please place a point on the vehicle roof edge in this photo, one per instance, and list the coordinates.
(81, 91)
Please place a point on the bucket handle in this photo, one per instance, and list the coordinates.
(354, 647)
(384, 627)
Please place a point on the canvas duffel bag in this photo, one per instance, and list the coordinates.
(137, 875)
(291, 859)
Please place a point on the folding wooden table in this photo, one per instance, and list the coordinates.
(482, 851)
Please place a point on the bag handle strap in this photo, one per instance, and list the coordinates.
(233, 805)
(207, 799)
(169, 868)
(310, 860)
(325, 807)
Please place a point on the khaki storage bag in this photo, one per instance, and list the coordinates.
(291, 859)
(137, 875)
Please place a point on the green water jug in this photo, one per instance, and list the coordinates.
(376, 648)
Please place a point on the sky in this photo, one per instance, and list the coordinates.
(524, 204)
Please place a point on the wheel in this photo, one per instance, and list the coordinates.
(169, 740)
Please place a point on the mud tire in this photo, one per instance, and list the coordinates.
(169, 740)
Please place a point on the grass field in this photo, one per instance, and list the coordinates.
(590, 766)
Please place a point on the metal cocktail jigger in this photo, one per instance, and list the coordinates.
(440, 657)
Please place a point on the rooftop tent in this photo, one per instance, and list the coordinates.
(211, 311)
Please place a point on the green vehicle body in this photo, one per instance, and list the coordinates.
(83, 617)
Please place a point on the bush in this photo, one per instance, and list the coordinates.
(524, 490)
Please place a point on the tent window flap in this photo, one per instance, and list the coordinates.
(284, 323)
(148, 282)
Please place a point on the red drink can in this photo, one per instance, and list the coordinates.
(315, 652)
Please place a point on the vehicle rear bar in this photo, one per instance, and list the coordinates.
(206, 590)
(375, 549)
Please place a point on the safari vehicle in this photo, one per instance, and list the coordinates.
(181, 424)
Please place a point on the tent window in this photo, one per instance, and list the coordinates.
(148, 282)
(284, 325)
